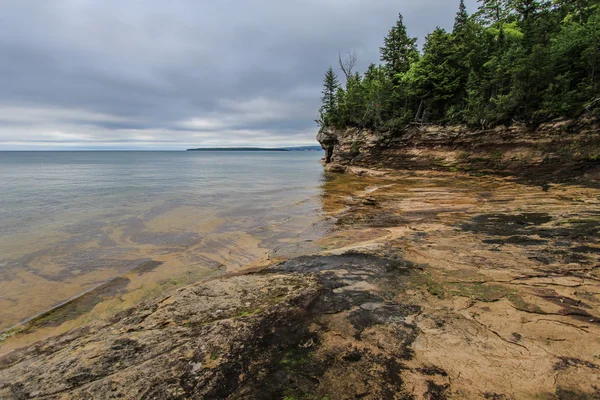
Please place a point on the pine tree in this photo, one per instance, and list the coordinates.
(399, 50)
(355, 100)
(378, 91)
(493, 11)
(514, 60)
(462, 53)
(575, 51)
(475, 101)
(434, 78)
(329, 100)
(527, 9)
(461, 20)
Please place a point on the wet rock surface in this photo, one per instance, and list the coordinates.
(259, 335)
(505, 275)
(194, 343)
(449, 286)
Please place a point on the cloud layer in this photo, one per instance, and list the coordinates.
(113, 74)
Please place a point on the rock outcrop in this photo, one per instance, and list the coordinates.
(193, 343)
(564, 149)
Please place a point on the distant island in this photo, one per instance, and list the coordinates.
(301, 148)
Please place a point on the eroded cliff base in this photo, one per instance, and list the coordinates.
(560, 151)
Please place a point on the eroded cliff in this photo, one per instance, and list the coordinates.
(561, 150)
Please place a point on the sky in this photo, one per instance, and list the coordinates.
(170, 75)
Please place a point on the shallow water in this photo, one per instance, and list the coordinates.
(71, 221)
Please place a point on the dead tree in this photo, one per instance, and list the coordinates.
(348, 63)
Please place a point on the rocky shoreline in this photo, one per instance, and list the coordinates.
(560, 151)
(430, 284)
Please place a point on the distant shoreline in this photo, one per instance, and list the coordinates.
(303, 148)
(236, 149)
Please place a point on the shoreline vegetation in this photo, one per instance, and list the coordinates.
(518, 62)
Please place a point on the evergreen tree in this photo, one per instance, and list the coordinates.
(523, 60)
(434, 79)
(378, 89)
(461, 21)
(493, 11)
(329, 100)
(475, 102)
(399, 50)
(355, 100)
(462, 55)
(575, 56)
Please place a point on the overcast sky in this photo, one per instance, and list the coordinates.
(151, 75)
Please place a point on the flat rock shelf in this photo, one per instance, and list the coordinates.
(428, 285)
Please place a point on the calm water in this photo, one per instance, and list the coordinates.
(70, 221)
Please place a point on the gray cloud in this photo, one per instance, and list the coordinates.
(186, 73)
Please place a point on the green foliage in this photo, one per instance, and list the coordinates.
(575, 55)
(462, 19)
(435, 78)
(513, 60)
(329, 99)
(399, 50)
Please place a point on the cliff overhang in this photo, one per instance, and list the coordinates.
(559, 150)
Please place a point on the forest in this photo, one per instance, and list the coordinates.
(512, 61)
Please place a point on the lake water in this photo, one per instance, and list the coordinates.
(72, 221)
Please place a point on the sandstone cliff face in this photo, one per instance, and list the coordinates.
(566, 148)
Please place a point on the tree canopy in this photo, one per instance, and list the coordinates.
(513, 60)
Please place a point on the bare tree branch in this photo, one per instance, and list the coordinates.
(347, 63)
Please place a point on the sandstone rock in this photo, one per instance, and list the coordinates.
(176, 347)
(369, 201)
(336, 168)
(551, 152)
